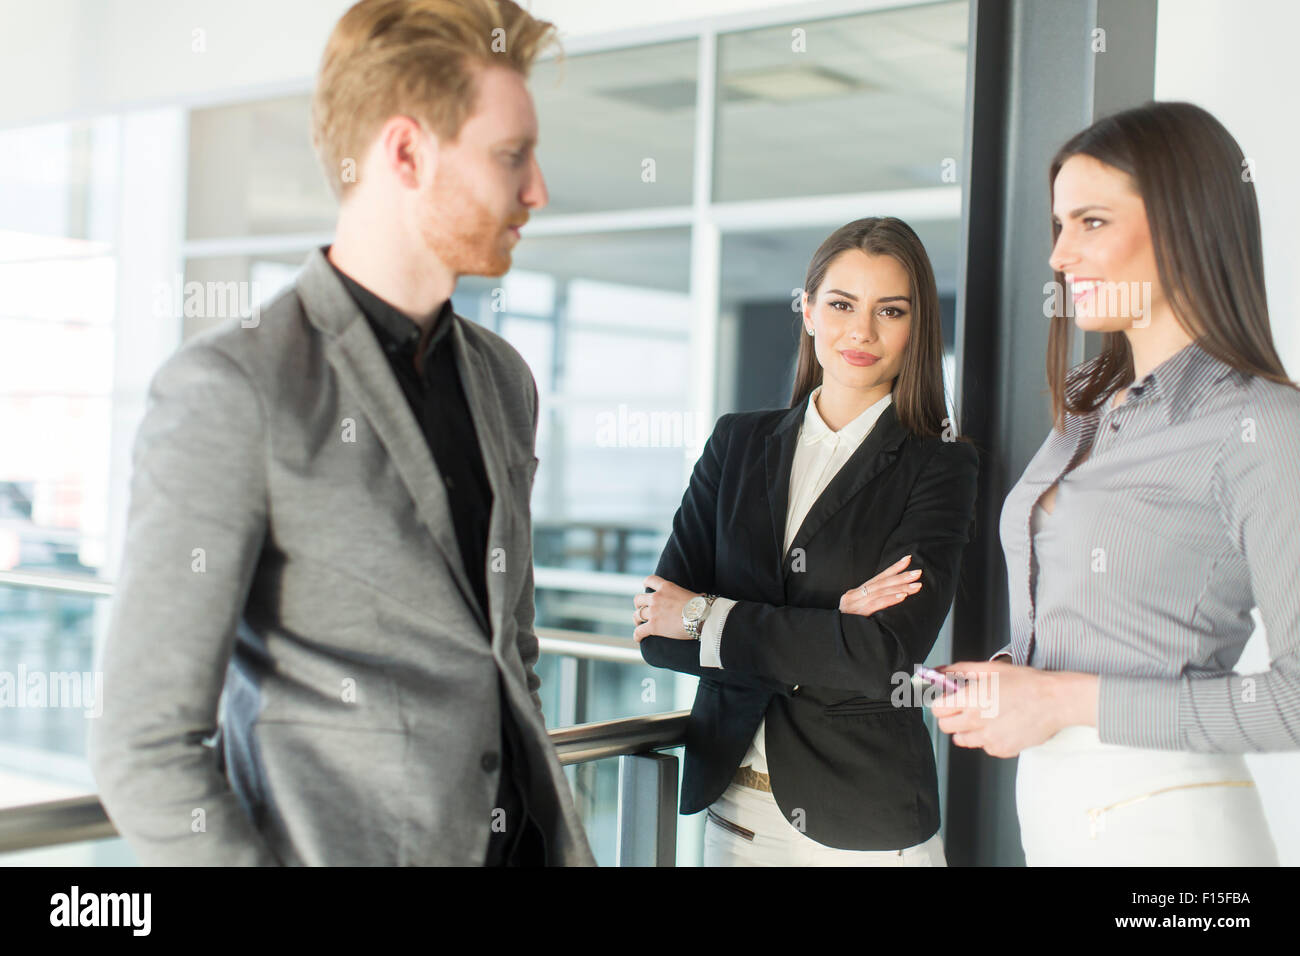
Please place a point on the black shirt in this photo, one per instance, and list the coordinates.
(437, 399)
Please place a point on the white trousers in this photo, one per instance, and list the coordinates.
(774, 841)
(1085, 803)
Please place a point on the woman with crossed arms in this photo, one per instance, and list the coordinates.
(795, 745)
(1158, 512)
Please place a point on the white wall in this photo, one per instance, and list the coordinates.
(1238, 59)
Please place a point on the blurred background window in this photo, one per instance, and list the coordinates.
(869, 102)
(58, 270)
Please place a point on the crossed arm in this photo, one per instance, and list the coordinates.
(688, 560)
(821, 646)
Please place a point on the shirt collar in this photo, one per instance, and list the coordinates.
(397, 331)
(816, 430)
(1179, 381)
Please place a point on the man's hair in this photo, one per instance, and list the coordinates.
(417, 58)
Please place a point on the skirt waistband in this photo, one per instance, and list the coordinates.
(1085, 742)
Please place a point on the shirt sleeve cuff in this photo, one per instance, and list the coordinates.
(1138, 711)
(711, 632)
(1004, 652)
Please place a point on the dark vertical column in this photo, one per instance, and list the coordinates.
(769, 342)
(1036, 75)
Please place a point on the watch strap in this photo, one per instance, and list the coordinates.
(693, 627)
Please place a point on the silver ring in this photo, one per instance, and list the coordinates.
(863, 589)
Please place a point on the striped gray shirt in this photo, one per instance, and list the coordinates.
(1184, 516)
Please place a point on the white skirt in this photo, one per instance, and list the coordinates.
(1085, 803)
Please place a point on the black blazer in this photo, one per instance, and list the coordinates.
(860, 769)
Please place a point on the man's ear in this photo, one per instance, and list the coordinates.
(408, 149)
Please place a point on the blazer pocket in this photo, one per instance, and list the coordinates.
(743, 832)
(858, 706)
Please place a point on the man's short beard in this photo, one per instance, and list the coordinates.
(464, 236)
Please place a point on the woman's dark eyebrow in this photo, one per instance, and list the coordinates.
(888, 298)
(1076, 213)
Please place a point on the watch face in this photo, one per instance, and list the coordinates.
(694, 608)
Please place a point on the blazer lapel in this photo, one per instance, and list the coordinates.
(778, 458)
(489, 425)
(366, 372)
(351, 349)
(877, 450)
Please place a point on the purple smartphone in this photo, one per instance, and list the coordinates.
(946, 683)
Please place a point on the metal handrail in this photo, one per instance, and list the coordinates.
(554, 579)
(553, 640)
(78, 819)
(73, 820)
(57, 581)
(617, 738)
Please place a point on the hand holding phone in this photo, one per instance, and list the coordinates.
(949, 685)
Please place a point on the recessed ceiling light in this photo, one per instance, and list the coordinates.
(788, 83)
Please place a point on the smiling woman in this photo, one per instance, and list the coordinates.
(876, 267)
(1175, 459)
(793, 583)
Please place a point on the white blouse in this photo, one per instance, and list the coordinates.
(819, 454)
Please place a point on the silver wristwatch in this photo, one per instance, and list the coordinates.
(694, 613)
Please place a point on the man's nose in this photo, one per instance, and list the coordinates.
(535, 194)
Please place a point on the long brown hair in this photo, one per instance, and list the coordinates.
(918, 390)
(1204, 222)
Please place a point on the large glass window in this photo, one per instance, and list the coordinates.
(618, 128)
(604, 323)
(58, 270)
(252, 171)
(853, 104)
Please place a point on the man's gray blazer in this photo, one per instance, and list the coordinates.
(289, 541)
